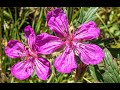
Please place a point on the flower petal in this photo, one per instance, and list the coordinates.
(42, 68)
(87, 31)
(58, 22)
(23, 70)
(15, 49)
(30, 35)
(66, 62)
(46, 44)
(90, 53)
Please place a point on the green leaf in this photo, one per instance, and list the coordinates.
(107, 78)
(90, 14)
(40, 19)
(81, 15)
(85, 16)
(112, 72)
(33, 74)
(96, 73)
(69, 13)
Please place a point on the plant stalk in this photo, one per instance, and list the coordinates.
(80, 71)
(1, 24)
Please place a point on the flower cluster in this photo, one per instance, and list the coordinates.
(72, 43)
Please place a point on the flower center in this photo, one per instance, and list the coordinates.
(69, 40)
(32, 53)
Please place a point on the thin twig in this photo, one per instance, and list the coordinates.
(87, 80)
(51, 77)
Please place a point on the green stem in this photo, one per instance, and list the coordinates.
(106, 27)
(53, 73)
(9, 11)
(12, 80)
(51, 77)
(22, 22)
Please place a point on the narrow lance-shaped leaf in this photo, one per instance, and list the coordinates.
(81, 15)
(89, 15)
(96, 73)
(112, 73)
(69, 13)
(40, 19)
(85, 16)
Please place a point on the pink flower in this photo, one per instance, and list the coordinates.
(31, 61)
(71, 42)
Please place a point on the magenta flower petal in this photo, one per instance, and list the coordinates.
(66, 62)
(58, 22)
(15, 49)
(90, 53)
(87, 31)
(23, 69)
(46, 44)
(42, 68)
(30, 35)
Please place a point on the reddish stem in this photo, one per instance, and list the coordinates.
(80, 71)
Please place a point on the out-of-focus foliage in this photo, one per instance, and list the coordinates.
(14, 19)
